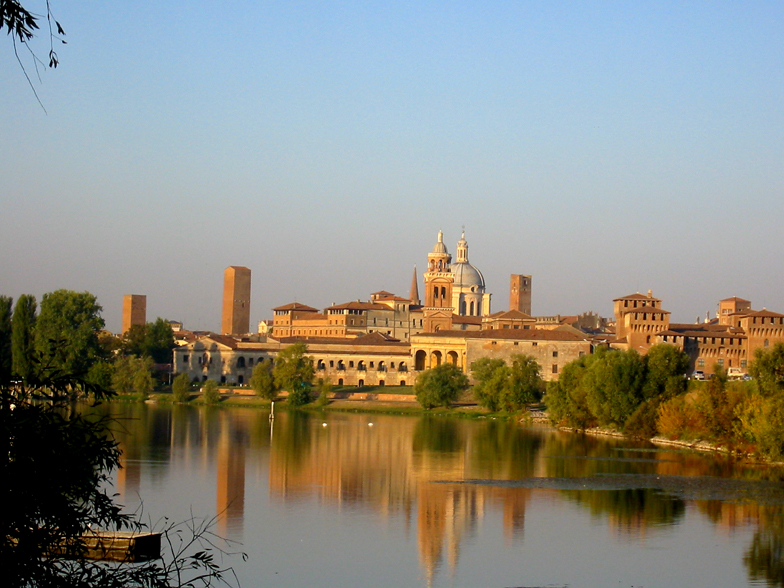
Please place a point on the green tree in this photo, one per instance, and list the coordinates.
(181, 388)
(262, 381)
(6, 304)
(324, 387)
(613, 386)
(665, 370)
(440, 386)
(132, 375)
(767, 369)
(491, 377)
(566, 397)
(293, 371)
(524, 385)
(56, 471)
(155, 340)
(66, 331)
(101, 374)
(210, 392)
(23, 336)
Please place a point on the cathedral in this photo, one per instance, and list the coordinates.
(452, 288)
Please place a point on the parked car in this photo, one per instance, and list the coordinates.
(698, 375)
(735, 373)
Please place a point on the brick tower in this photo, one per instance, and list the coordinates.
(236, 301)
(520, 293)
(134, 311)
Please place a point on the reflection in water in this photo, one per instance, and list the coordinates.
(449, 473)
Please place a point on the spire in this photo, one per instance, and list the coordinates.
(414, 294)
(462, 249)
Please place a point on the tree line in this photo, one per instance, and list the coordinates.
(650, 396)
(65, 335)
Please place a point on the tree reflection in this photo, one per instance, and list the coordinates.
(438, 435)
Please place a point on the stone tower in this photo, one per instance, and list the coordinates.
(520, 293)
(134, 311)
(236, 301)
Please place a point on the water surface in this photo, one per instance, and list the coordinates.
(343, 499)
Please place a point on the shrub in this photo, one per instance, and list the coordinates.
(181, 388)
(210, 393)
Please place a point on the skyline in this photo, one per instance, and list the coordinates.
(603, 149)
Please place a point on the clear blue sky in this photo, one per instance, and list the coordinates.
(605, 148)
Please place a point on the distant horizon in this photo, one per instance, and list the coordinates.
(602, 148)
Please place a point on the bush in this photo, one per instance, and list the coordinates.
(262, 380)
(210, 393)
(440, 386)
(181, 388)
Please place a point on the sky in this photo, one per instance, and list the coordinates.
(604, 148)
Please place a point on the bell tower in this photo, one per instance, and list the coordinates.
(438, 288)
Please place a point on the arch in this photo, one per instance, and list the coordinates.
(361, 366)
(240, 362)
(321, 365)
(419, 360)
(240, 379)
(250, 362)
(435, 359)
(340, 381)
(472, 308)
(381, 382)
(402, 382)
(451, 357)
(382, 367)
(360, 383)
(341, 365)
(402, 367)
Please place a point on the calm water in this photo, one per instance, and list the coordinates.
(368, 500)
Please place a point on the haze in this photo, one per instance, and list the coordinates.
(604, 148)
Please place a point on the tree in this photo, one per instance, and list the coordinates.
(23, 336)
(524, 385)
(324, 389)
(181, 388)
(566, 397)
(440, 386)
(132, 375)
(155, 340)
(613, 386)
(491, 376)
(293, 371)
(262, 381)
(66, 331)
(56, 472)
(665, 368)
(210, 393)
(767, 369)
(6, 303)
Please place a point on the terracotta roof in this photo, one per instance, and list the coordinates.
(735, 299)
(466, 320)
(702, 330)
(356, 305)
(369, 339)
(382, 293)
(296, 306)
(226, 340)
(395, 298)
(510, 314)
(764, 312)
(636, 296)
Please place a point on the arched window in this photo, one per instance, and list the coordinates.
(419, 360)
(451, 357)
(241, 362)
(462, 307)
(435, 359)
(472, 308)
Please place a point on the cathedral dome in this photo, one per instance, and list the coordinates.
(466, 275)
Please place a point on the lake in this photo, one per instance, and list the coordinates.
(351, 499)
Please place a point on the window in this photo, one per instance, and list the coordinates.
(555, 368)
(185, 358)
(331, 363)
(516, 343)
(701, 362)
(534, 344)
(555, 354)
(743, 363)
(351, 364)
(721, 362)
(766, 343)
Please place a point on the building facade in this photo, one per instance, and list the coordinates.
(235, 319)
